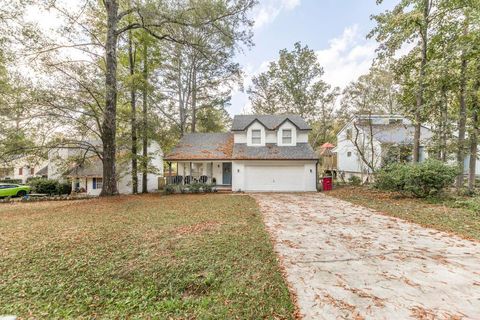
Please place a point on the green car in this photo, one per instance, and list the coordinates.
(13, 190)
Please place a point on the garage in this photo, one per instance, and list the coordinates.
(275, 178)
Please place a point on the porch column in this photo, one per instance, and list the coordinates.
(169, 173)
(184, 174)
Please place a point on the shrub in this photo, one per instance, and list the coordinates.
(169, 189)
(421, 180)
(195, 187)
(354, 180)
(46, 186)
(64, 188)
(208, 188)
(14, 181)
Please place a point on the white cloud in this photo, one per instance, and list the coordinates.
(268, 10)
(348, 57)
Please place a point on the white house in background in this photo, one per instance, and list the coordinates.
(387, 137)
(88, 177)
(261, 153)
(23, 168)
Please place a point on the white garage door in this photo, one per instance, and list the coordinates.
(274, 178)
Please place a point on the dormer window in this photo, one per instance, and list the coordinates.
(256, 136)
(287, 136)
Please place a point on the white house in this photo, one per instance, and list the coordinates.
(88, 177)
(261, 153)
(370, 140)
(23, 168)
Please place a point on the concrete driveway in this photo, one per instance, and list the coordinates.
(347, 262)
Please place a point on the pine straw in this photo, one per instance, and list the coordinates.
(152, 256)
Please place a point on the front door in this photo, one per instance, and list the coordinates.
(227, 173)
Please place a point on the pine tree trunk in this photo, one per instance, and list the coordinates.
(474, 134)
(473, 151)
(444, 121)
(194, 101)
(133, 120)
(144, 120)
(462, 120)
(109, 118)
(421, 85)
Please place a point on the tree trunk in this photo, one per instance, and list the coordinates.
(473, 151)
(110, 113)
(421, 84)
(133, 120)
(194, 100)
(144, 120)
(462, 120)
(444, 121)
(474, 134)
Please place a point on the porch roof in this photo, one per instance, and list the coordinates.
(203, 146)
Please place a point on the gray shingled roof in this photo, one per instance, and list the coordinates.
(43, 171)
(203, 146)
(93, 168)
(302, 151)
(271, 122)
(398, 134)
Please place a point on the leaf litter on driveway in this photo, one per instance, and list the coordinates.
(347, 262)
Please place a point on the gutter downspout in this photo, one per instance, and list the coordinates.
(316, 175)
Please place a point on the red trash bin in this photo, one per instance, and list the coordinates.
(327, 183)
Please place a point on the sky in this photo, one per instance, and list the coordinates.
(335, 29)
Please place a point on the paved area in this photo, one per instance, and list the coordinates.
(348, 262)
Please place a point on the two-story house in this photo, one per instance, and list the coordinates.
(261, 153)
(22, 169)
(368, 141)
(87, 176)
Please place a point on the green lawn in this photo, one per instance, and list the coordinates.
(182, 257)
(457, 215)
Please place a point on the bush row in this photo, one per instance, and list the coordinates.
(49, 187)
(195, 187)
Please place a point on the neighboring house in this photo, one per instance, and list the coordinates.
(22, 169)
(368, 141)
(88, 177)
(261, 153)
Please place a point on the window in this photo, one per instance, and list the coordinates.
(97, 183)
(287, 136)
(20, 171)
(349, 134)
(256, 136)
(349, 154)
(32, 171)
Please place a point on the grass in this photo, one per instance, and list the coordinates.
(181, 257)
(446, 214)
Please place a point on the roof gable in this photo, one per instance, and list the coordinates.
(270, 122)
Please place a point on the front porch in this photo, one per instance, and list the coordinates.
(218, 173)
